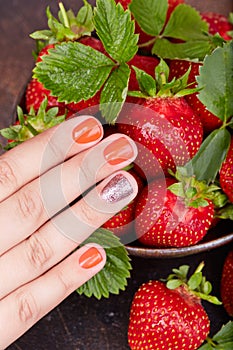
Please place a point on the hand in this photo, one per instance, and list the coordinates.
(40, 229)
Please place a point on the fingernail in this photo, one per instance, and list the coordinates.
(118, 151)
(87, 131)
(90, 258)
(116, 189)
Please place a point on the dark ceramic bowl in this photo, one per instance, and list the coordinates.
(219, 236)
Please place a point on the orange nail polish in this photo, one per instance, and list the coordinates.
(90, 258)
(87, 131)
(118, 151)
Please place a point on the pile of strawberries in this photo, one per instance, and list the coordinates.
(172, 209)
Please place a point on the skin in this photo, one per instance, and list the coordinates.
(37, 268)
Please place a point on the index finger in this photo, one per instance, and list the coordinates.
(24, 162)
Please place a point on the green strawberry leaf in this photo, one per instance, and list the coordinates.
(115, 29)
(73, 71)
(114, 93)
(146, 82)
(191, 50)
(186, 24)
(223, 339)
(207, 161)
(225, 334)
(67, 26)
(226, 212)
(195, 280)
(113, 277)
(217, 84)
(150, 15)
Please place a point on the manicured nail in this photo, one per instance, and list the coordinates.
(87, 131)
(90, 258)
(116, 189)
(118, 151)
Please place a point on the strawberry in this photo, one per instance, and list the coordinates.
(226, 173)
(218, 23)
(35, 94)
(227, 283)
(170, 315)
(122, 223)
(166, 128)
(165, 218)
(177, 69)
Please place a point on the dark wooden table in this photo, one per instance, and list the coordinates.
(80, 323)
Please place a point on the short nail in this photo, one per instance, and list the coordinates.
(118, 151)
(87, 131)
(90, 258)
(116, 189)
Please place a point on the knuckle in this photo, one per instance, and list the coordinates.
(66, 283)
(54, 152)
(29, 204)
(86, 214)
(38, 251)
(7, 176)
(27, 307)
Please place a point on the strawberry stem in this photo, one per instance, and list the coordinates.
(64, 15)
(149, 42)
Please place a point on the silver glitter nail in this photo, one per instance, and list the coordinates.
(116, 189)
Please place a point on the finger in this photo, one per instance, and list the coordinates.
(27, 161)
(61, 235)
(23, 308)
(36, 202)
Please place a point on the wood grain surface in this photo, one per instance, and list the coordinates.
(80, 323)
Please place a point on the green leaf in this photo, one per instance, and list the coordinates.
(146, 82)
(217, 84)
(226, 212)
(9, 133)
(185, 23)
(210, 298)
(225, 334)
(116, 30)
(207, 161)
(85, 18)
(173, 283)
(190, 50)
(195, 280)
(178, 189)
(206, 347)
(150, 15)
(73, 71)
(162, 73)
(113, 277)
(114, 93)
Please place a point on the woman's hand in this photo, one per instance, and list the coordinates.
(39, 228)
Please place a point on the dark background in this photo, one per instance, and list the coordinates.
(80, 323)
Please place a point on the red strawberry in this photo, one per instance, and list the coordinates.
(227, 284)
(44, 51)
(167, 130)
(177, 69)
(169, 316)
(35, 94)
(165, 219)
(122, 223)
(218, 23)
(226, 173)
